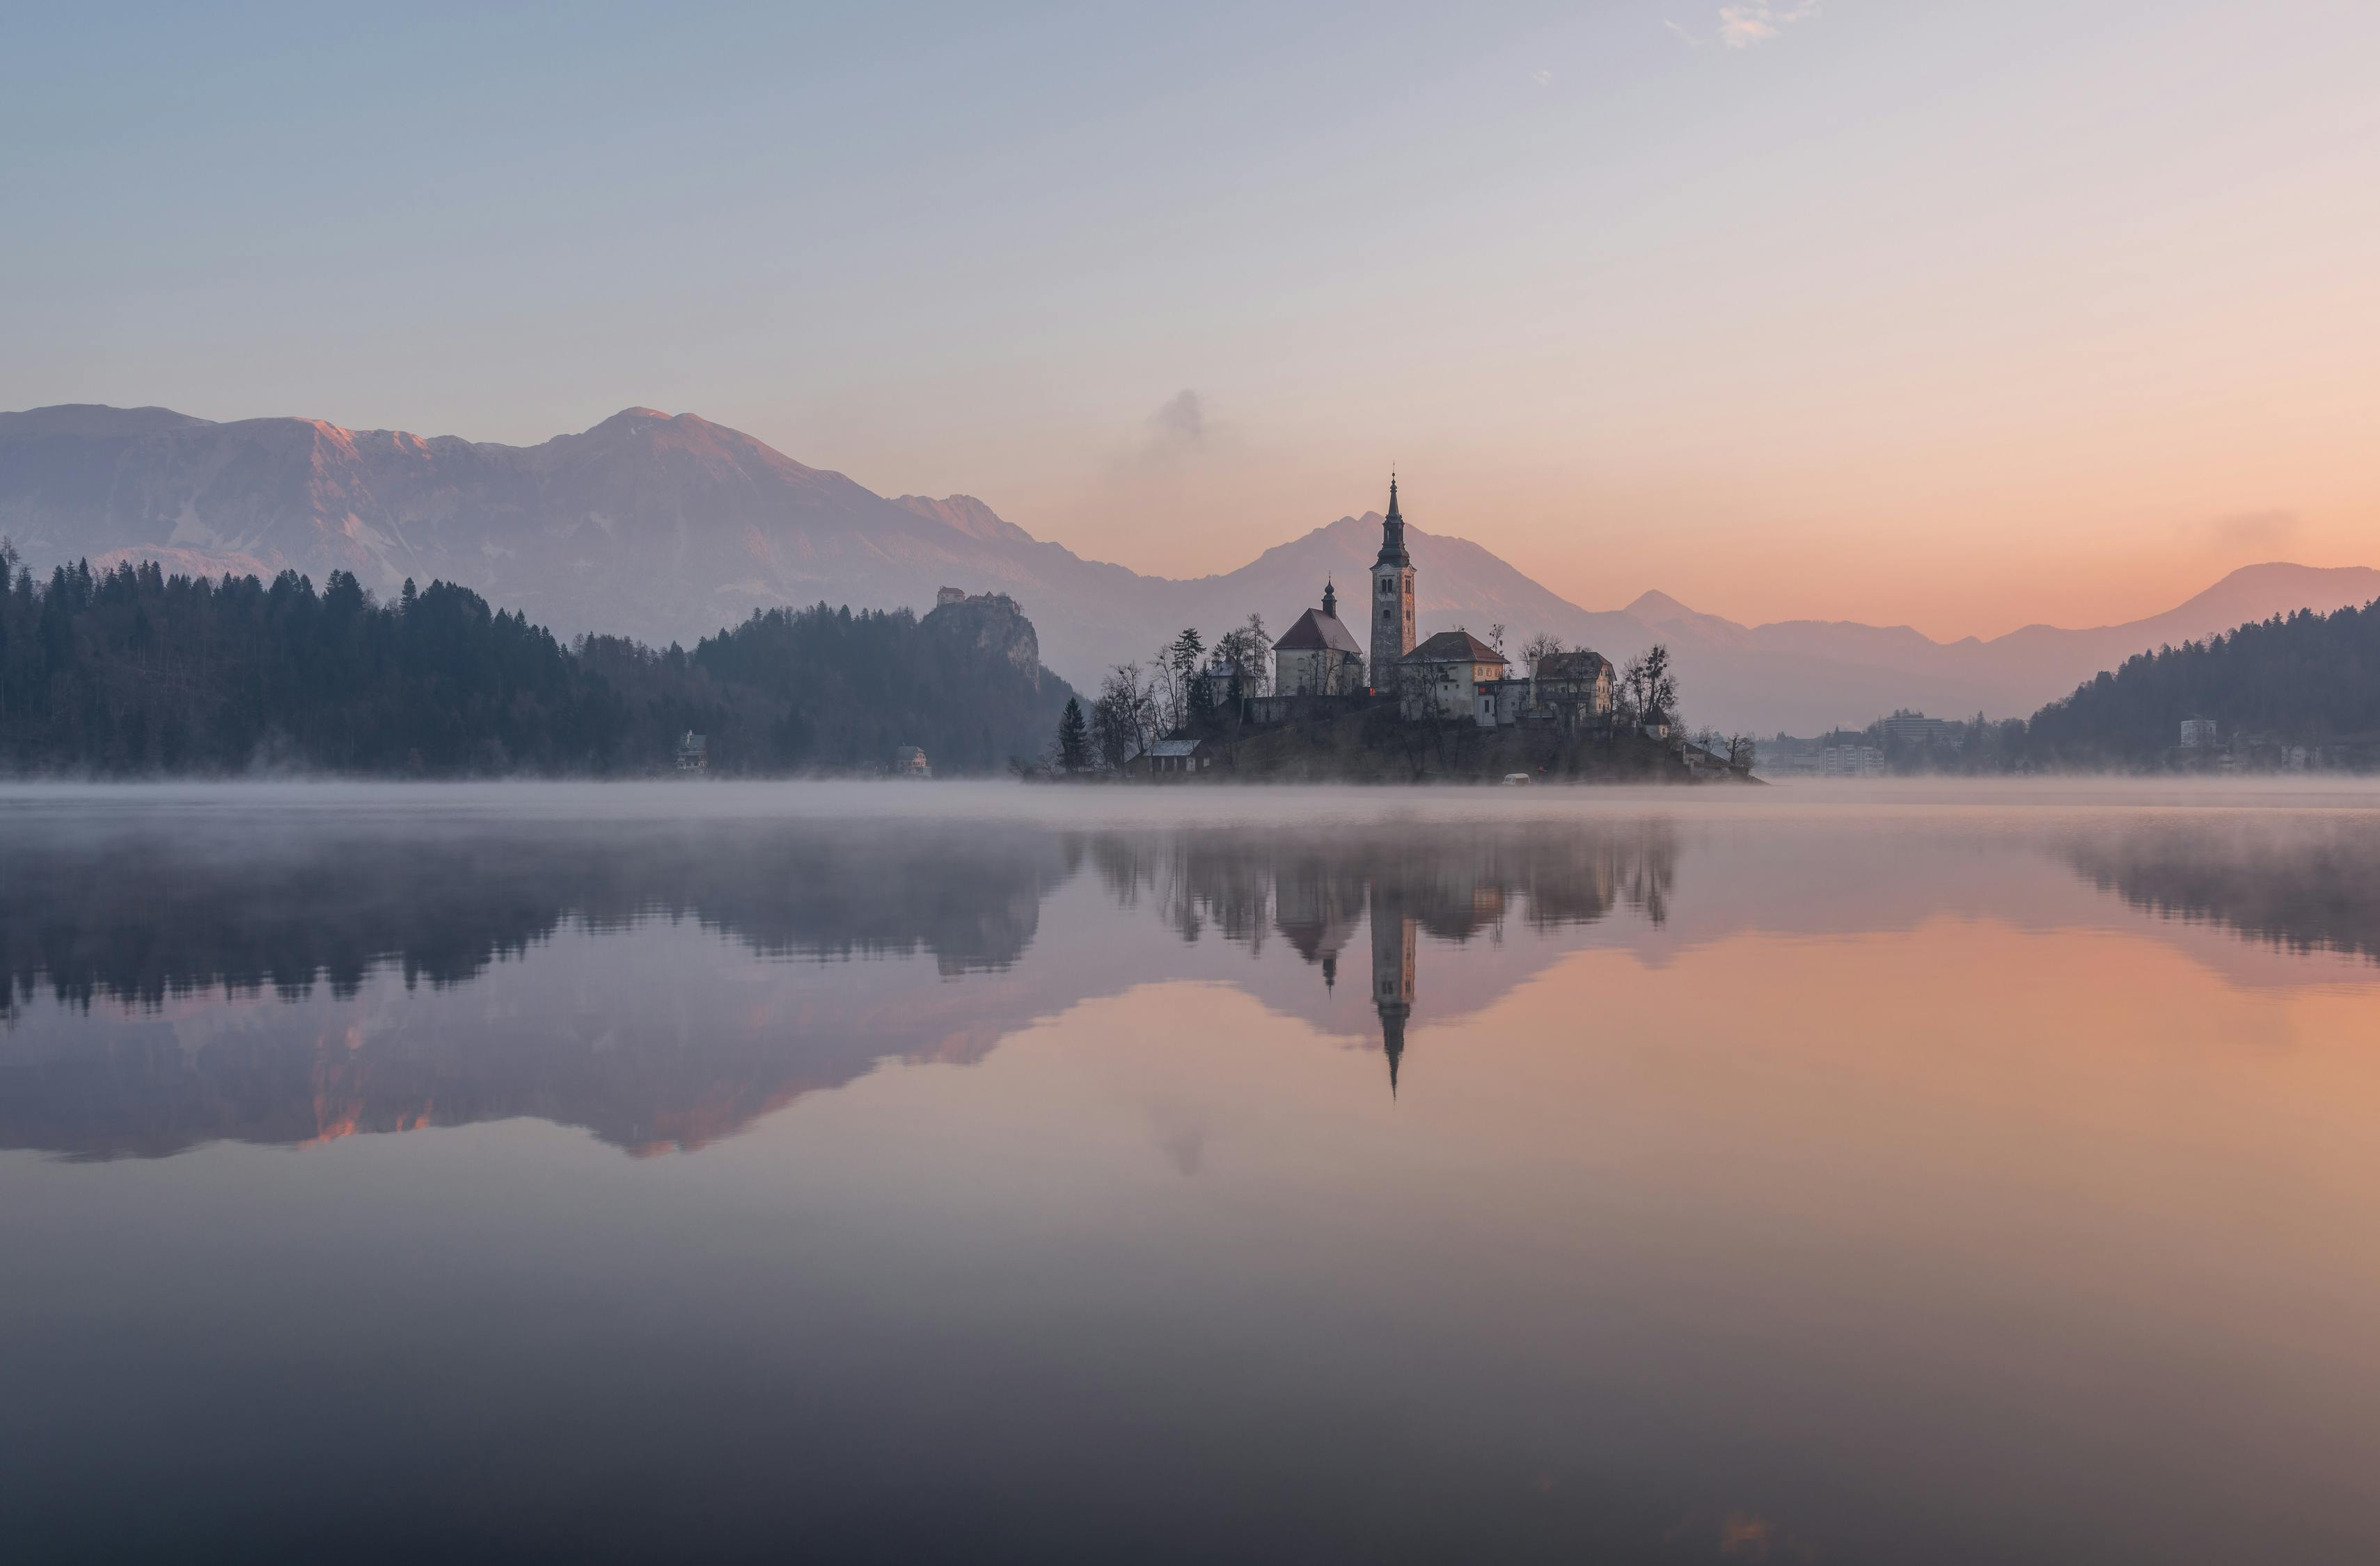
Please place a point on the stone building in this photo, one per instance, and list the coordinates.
(1453, 675)
(1318, 655)
(1573, 687)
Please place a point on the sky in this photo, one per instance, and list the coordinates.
(1954, 315)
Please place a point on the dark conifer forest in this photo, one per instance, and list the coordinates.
(2305, 679)
(128, 671)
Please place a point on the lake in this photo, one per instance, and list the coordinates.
(992, 1173)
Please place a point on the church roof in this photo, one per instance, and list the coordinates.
(1317, 632)
(1454, 646)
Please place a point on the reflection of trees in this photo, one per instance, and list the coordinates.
(140, 918)
(2303, 885)
(619, 1043)
(1456, 881)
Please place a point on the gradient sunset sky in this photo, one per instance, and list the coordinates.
(1955, 315)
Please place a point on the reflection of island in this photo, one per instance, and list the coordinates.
(2302, 885)
(1454, 883)
(333, 979)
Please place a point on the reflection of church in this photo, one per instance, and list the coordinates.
(1452, 889)
(1393, 939)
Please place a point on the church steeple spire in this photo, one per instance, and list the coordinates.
(1392, 613)
(1392, 532)
(1330, 597)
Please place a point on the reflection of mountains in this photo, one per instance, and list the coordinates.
(650, 1034)
(2303, 885)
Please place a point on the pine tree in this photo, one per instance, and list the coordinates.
(1074, 739)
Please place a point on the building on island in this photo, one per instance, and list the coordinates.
(2198, 733)
(1391, 614)
(1574, 686)
(693, 753)
(1453, 675)
(1170, 755)
(1318, 655)
(1320, 672)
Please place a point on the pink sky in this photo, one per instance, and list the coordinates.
(1957, 316)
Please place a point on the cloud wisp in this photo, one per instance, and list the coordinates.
(1742, 26)
(2268, 532)
(1179, 424)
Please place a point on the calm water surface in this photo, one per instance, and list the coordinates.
(999, 1174)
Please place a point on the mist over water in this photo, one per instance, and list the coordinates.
(919, 1172)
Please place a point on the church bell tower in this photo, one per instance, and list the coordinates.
(1392, 597)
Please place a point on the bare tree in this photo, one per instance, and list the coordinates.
(1538, 648)
(1167, 688)
(1496, 637)
(1648, 685)
(1124, 717)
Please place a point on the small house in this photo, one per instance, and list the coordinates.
(909, 761)
(1169, 757)
(693, 753)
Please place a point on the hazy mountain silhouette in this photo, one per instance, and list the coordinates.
(667, 528)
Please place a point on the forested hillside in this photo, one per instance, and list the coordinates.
(2306, 679)
(130, 672)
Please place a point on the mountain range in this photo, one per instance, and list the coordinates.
(667, 528)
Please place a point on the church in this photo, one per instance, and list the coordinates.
(1318, 656)
(1451, 676)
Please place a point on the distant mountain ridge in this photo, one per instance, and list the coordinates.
(667, 528)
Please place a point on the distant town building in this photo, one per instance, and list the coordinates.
(2198, 733)
(1391, 614)
(693, 753)
(950, 595)
(1916, 731)
(1318, 655)
(909, 761)
(1851, 760)
(1453, 675)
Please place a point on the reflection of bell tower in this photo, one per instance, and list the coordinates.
(1392, 975)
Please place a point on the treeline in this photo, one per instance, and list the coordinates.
(2306, 678)
(2303, 680)
(130, 672)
